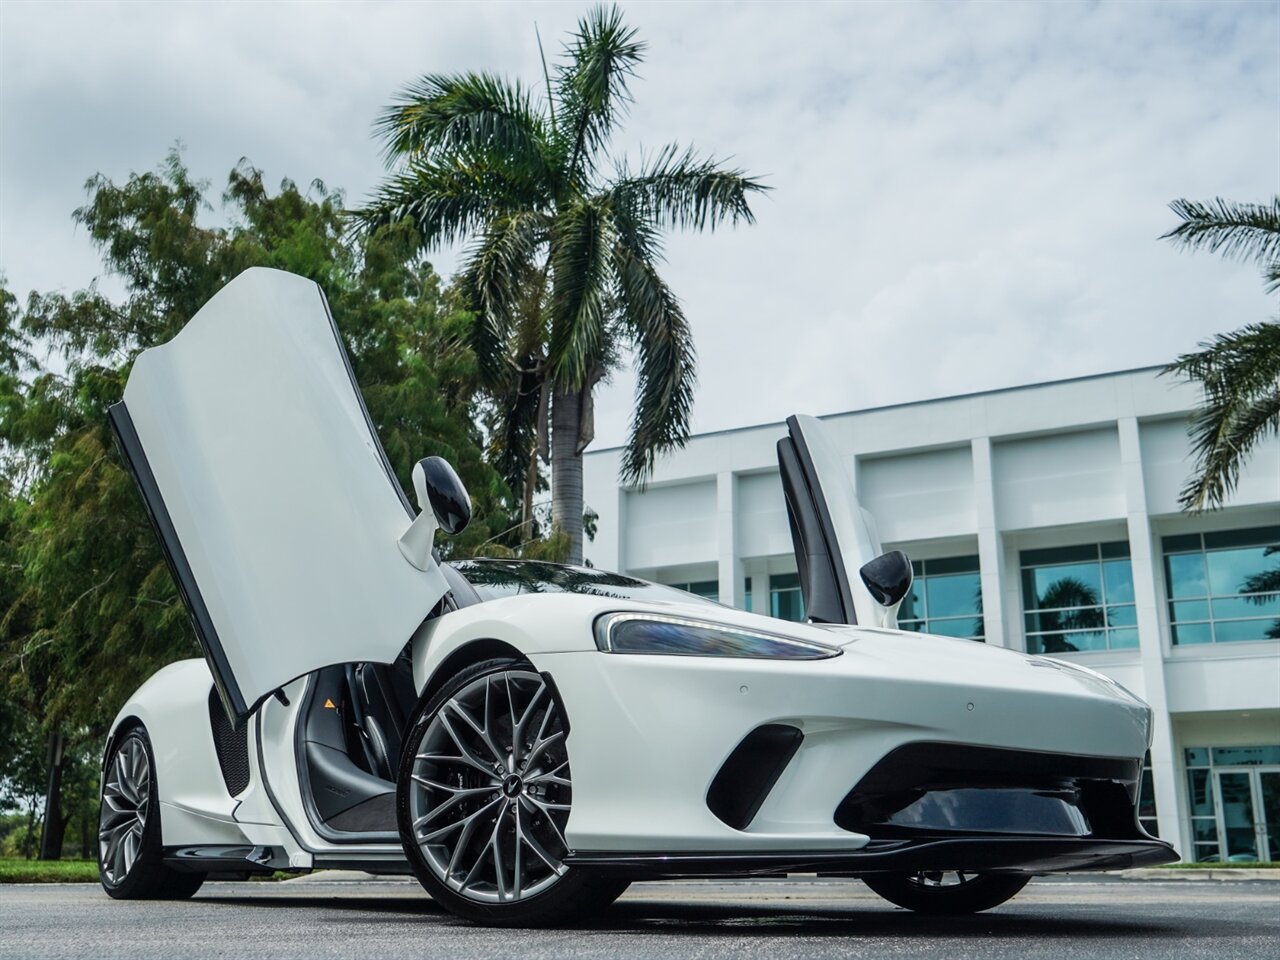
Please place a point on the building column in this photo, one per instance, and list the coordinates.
(1144, 559)
(990, 555)
(617, 544)
(760, 589)
(730, 567)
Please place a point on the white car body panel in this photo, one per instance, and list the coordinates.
(276, 487)
(173, 707)
(649, 732)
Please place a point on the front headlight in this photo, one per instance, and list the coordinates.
(679, 636)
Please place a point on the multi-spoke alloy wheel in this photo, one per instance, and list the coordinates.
(484, 797)
(130, 855)
(946, 891)
(490, 789)
(126, 794)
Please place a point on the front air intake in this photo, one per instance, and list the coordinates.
(750, 771)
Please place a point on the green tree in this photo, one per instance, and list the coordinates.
(89, 607)
(1238, 371)
(565, 245)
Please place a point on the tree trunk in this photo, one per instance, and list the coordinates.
(54, 823)
(566, 470)
(29, 840)
(526, 501)
(86, 844)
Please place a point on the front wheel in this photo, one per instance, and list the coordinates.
(483, 797)
(942, 892)
(130, 854)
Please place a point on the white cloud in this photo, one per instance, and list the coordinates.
(965, 196)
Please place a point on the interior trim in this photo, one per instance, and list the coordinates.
(322, 829)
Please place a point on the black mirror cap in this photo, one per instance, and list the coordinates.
(449, 500)
(888, 577)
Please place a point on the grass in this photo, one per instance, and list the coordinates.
(15, 870)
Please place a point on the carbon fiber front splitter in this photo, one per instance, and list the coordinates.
(1023, 855)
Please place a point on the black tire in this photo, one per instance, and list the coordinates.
(927, 893)
(571, 894)
(140, 873)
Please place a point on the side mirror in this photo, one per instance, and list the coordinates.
(888, 579)
(440, 489)
(444, 504)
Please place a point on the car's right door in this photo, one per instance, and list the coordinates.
(832, 534)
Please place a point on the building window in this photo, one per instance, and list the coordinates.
(785, 600)
(945, 598)
(707, 589)
(1147, 799)
(1232, 795)
(746, 594)
(1224, 587)
(1078, 598)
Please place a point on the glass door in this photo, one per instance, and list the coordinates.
(1248, 813)
(1269, 796)
(1237, 830)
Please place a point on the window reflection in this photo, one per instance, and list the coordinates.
(785, 599)
(706, 589)
(1224, 587)
(945, 599)
(1079, 598)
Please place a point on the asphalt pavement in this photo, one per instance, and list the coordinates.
(779, 920)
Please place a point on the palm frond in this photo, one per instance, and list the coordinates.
(591, 86)
(581, 239)
(1240, 375)
(497, 279)
(1238, 231)
(514, 423)
(477, 114)
(677, 188)
(665, 364)
(445, 201)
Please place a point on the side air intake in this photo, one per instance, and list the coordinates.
(231, 745)
(749, 773)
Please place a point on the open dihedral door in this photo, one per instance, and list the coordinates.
(271, 495)
(832, 535)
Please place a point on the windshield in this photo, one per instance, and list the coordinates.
(493, 579)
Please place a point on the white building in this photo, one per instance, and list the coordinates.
(1043, 518)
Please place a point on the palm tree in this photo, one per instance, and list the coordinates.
(564, 249)
(1239, 371)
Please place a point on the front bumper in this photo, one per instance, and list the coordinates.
(650, 734)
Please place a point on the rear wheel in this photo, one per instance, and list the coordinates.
(130, 853)
(946, 891)
(483, 798)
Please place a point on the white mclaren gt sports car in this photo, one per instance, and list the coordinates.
(527, 739)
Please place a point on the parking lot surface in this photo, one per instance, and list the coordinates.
(777, 920)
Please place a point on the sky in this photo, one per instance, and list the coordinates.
(964, 196)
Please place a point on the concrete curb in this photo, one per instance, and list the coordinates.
(1195, 873)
